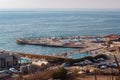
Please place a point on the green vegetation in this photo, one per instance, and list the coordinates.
(58, 73)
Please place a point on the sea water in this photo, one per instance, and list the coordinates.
(53, 23)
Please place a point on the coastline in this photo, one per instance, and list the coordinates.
(103, 51)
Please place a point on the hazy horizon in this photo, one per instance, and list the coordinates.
(59, 9)
(61, 4)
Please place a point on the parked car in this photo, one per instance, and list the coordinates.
(15, 76)
(101, 59)
(88, 62)
(103, 66)
(114, 65)
(80, 64)
(6, 71)
(14, 70)
(65, 65)
(95, 61)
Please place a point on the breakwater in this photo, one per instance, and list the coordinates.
(70, 42)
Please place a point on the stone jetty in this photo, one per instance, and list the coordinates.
(69, 42)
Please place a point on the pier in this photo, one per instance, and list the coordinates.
(69, 42)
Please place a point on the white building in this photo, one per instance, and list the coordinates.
(8, 59)
(41, 62)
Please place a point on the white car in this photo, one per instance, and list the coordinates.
(103, 67)
(14, 70)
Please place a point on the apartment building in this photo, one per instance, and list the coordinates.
(8, 59)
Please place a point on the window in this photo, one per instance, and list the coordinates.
(3, 63)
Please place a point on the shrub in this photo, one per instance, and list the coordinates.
(60, 73)
(118, 78)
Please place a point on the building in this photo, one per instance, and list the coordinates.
(41, 62)
(8, 59)
(110, 38)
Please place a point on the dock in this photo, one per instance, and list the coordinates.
(69, 42)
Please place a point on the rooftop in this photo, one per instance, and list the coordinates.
(112, 36)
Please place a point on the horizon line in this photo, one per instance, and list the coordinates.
(60, 9)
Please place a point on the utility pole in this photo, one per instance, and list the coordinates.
(116, 60)
(95, 73)
(112, 73)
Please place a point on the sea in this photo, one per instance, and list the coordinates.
(38, 23)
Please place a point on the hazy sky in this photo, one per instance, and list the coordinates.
(59, 3)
